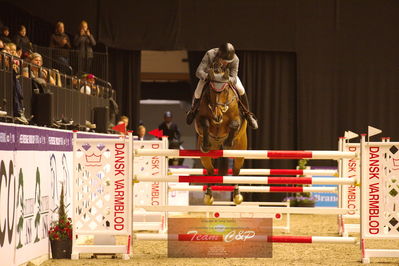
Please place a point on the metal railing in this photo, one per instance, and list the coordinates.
(70, 102)
(70, 62)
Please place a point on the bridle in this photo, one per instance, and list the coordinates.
(224, 106)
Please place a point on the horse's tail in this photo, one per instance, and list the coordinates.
(223, 166)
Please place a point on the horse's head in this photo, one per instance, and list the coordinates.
(221, 95)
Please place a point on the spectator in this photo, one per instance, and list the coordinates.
(141, 130)
(123, 120)
(169, 128)
(89, 87)
(19, 51)
(1, 45)
(5, 35)
(10, 49)
(36, 63)
(18, 106)
(59, 39)
(84, 42)
(22, 40)
(5, 48)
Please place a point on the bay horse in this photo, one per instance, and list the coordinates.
(220, 125)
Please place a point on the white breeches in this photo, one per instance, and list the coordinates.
(201, 84)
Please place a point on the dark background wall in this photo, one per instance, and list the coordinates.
(312, 68)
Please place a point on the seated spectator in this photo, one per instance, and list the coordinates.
(11, 50)
(36, 63)
(22, 40)
(5, 35)
(123, 120)
(89, 87)
(55, 74)
(1, 45)
(5, 48)
(19, 51)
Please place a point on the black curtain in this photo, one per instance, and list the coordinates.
(270, 82)
(194, 58)
(269, 79)
(124, 75)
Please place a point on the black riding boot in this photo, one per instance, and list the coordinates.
(193, 111)
(252, 121)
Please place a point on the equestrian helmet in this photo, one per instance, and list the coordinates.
(227, 51)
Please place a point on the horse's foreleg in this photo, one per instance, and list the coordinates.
(238, 163)
(204, 122)
(208, 165)
(234, 126)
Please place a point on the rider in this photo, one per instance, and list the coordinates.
(225, 55)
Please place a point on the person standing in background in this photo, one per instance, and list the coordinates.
(169, 128)
(5, 35)
(59, 39)
(84, 42)
(22, 40)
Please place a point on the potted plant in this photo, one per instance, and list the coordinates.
(60, 233)
(303, 199)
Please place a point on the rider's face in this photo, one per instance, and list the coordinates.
(223, 62)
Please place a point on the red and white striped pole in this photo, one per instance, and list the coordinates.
(199, 171)
(261, 189)
(248, 180)
(248, 154)
(271, 239)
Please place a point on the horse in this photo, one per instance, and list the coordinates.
(220, 125)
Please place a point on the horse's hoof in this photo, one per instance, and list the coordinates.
(208, 199)
(238, 199)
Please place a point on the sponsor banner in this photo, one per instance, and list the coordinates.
(8, 222)
(325, 199)
(34, 164)
(219, 238)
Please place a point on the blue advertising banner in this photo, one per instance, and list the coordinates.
(324, 199)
